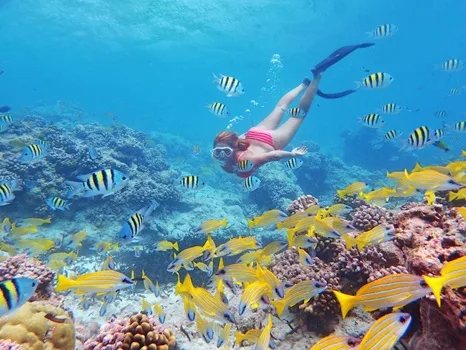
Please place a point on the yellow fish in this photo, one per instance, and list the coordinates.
(79, 237)
(385, 332)
(441, 169)
(264, 339)
(336, 342)
(208, 269)
(301, 241)
(430, 198)
(186, 256)
(95, 282)
(292, 220)
(304, 225)
(239, 272)
(302, 291)
(338, 210)
(378, 196)
(108, 264)
(462, 211)
(377, 235)
(36, 247)
(389, 291)
(453, 274)
(324, 228)
(17, 143)
(236, 246)
(275, 285)
(189, 307)
(146, 306)
(400, 178)
(6, 226)
(56, 264)
(160, 312)
(431, 180)
(211, 226)
(354, 188)
(256, 257)
(304, 258)
(269, 218)
(205, 328)
(250, 336)
(167, 245)
(148, 284)
(405, 192)
(224, 334)
(252, 294)
(274, 247)
(36, 221)
(103, 247)
(18, 231)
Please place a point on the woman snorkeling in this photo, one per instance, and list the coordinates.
(265, 142)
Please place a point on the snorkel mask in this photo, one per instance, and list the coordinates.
(222, 152)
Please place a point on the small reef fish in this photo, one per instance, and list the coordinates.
(264, 338)
(392, 134)
(93, 153)
(160, 312)
(205, 328)
(336, 342)
(243, 166)
(294, 163)
(274, 247)
(430, 198)
(166, 245)
(15, 293)
(6, 226)
(373, 120)
(108, 264)
(189, 308)
(229, 85)
(251, 336)
(185, 257)
(19, 231)
(385, 332)
(146, 306)
(439, 134)
(6, 119)
(268, 218)
(338, 210)
(252, 294)
(224, 334)
(379, 234)
(35, 247)
(296, 112)
(441, 114)
(6, 192)
(218, 109)
(460, 127)
(102, 182)
(211, 226)
(209, 269)
(431, 180)
(135, 224)
(418, 139)
(383, 31)
(251, 183)
(236, 246)
(453, 274)
(452, 65)
(95, 282)
(379, 196)
(196, 150)
(391, 108)
(36, 221)
(377, 80)
(302, 291)
(304, 258)
(350, 190)
(455, 91)
(56, 203)
(441, 145)
(103, 247)
(32, 153)
(455, 196)
(191, 182)
(148, 284)
(301, 241)
(238, 272)
(390, 291)
(78, 238)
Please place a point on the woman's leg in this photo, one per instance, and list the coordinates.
(285, 133)
(273, 119)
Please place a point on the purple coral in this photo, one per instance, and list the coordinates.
(23, 266)
(366, 217)
(302, 203)
(9, 345)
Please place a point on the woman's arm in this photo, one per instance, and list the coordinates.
(272, 156)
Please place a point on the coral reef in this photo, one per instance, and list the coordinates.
(23, 266)
(353, 201)
(136, 332)
(9, 345)
(367, 216)
(301, 204)
(30, 329)
(120, 148)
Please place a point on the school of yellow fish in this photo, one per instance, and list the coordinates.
(250, 276)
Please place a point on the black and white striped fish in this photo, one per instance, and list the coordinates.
(103, 182)
(251, 183)
(56, 203)
(294, 163)
(383, 31)
(33, 152)
(135, 224)
(218, 109)
(191, 182)
(372, 120)
(229, 85)
(377, 80)
(14, 293)
(6, 192)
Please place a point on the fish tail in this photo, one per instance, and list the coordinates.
(341, 193)
(290, 235)
(224, 222)
(360, 244)
(215, 79)
(350, 241)
(279, 306)
(250, 224)
(76, 188)
(452, 196)
(347, 302)
(436, 284)
(64, 283)
(175, 246)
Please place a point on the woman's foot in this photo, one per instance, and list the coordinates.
(306, 82)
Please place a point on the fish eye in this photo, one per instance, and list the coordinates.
(319, 285)
(125, 236)
(351, 342)
(123, 178)
(221, 272)
(403, 319)
(229, 317)
(452, 182)
(423, 284)
(34, 284)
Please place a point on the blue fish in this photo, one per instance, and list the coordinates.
(56, 203)
(135, 223)
(93, 153)
(103, 182)
(6, 192)
(32, 153)
(4, 109)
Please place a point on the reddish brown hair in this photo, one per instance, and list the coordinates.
(232, 140)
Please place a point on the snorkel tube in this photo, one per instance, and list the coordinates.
(333, 58)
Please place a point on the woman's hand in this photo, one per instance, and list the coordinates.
(299, 151)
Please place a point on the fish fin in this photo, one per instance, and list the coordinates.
(107, 194)
(347, 302)
(77, 187)
(250, 224)
(341, 193)
(216, 78)
(175, 246)
(436, 284)
(452, 196)
(64, 283)
(279, 306)
(84, 177)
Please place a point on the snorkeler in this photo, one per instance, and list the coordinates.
(265, 142)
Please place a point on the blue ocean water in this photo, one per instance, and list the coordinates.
(151, 62)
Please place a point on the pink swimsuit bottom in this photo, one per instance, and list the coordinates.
(260, 135)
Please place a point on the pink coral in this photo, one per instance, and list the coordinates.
(301, 204)
(9, 345)
(23, 266)
(366, 217)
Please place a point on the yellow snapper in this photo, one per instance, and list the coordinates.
(103, 247)
(238, 272)
(78, 237)
(208, 269)
(338, 210)
(36, 221)
(205, 328)
(440, 169)
(257, 257)
(108, 264)
(252, 294)
(378, 234)
(304, 258)
(166, 245)
(453, 274)
(274, 247)
(385, 332)
(189, 307)
(95, 282)
(455, 196)
(148, 284)
(304, 225)
(354, 188)
(378, 196)
(302, 291)
(291, 221)
(264, 338)
(431, 180)
(430, 198)
(236, 246)
(146, 306)
(35, 247)
(302, 241)
(211, 226)
(336, 342)
(275, 285)
(389, 291)
(160, 312)
(250, 336)
(269, 218)
(186, 256)
(8, 248)
(19, 231)
(325, 228)
(224, 334)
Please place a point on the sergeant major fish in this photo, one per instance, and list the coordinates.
(135, 224)
(101, 182)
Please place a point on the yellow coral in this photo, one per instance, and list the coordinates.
(32, 331)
